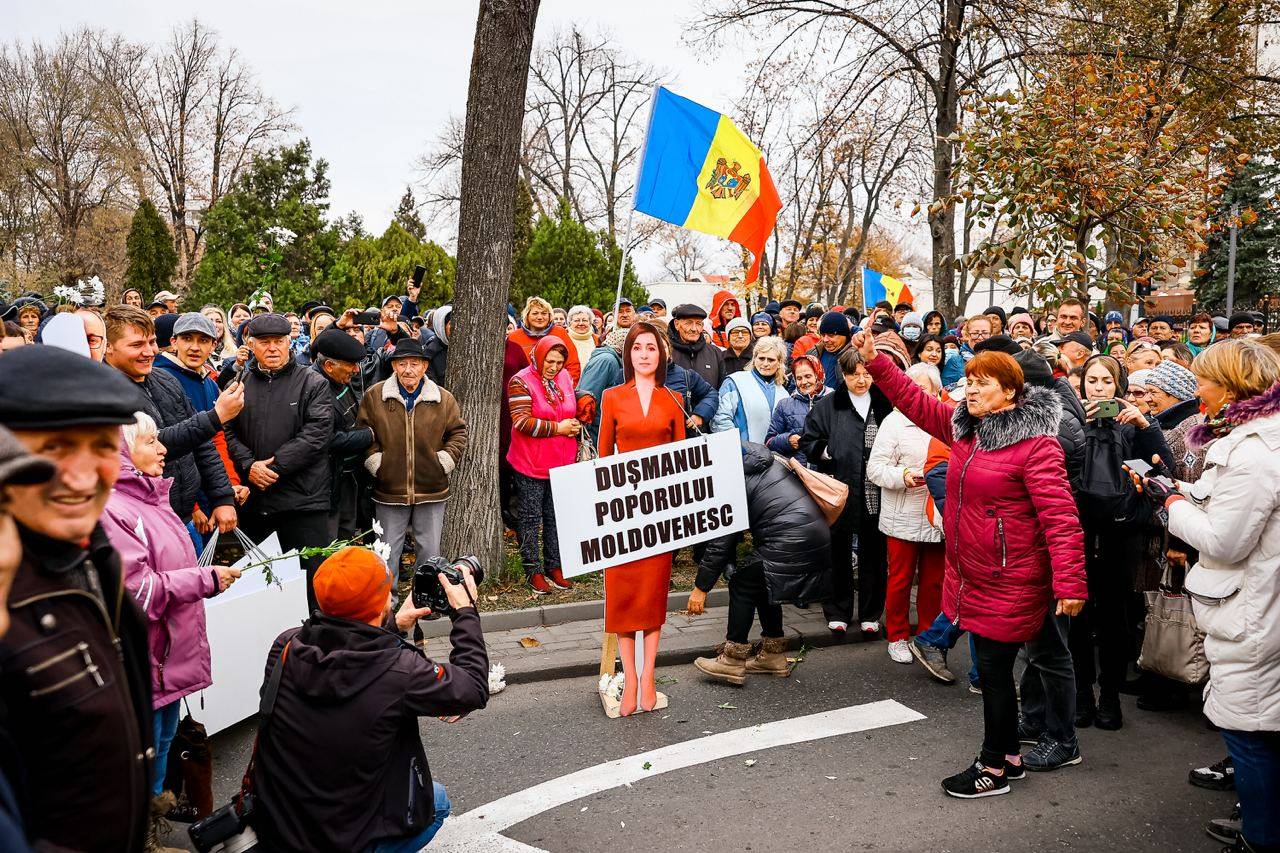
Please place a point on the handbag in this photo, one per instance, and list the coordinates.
(827, 492)
(189, 773)
(231, 827)
(586, 450)
(1172, 645)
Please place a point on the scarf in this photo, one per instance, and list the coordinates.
(584, 344)
(1232, 416)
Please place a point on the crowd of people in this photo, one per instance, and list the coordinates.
(987, 463)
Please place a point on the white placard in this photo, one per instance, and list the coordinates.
(621, 508)
(242, 623)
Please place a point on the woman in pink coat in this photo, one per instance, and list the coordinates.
(1012, 531)
(160, 572)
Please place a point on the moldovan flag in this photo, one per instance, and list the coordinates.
(878, 286)
(699, 171)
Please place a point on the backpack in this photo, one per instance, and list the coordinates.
(1106, 493)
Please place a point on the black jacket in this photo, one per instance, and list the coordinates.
(340, 761)
(734, 363)
(701, 357)
(287, 415)
(349, 441)
(1070, 430)
(1106, 439)
(835, 427)
(788, 532)
(75, 686)
(192, 462)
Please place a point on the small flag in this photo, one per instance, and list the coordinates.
(699, 171)
(878, 286)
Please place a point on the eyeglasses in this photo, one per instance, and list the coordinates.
(95, 341)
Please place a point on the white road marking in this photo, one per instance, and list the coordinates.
(479, 830)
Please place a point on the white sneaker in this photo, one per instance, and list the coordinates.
(870, 627)
(900, 651)
(838, 626)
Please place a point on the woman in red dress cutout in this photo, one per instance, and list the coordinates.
(637, 414)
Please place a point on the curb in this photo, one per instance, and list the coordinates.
(557, 614)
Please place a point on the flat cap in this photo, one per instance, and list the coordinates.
(194, 321)
(688, 311)
(1238, 319)
(1081, 338)
(268, 326)
(53, 388)
(789, 303)
(337, 344)
(999, 343)
(18, 467)
(165, 296)
(408, 348)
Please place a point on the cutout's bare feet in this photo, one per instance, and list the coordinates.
(627, 705)
(648, 693)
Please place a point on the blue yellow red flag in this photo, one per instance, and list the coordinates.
(699, 171)
(877, 286)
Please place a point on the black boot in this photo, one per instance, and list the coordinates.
(1086, 711)
(1109, 716)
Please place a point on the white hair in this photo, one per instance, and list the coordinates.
(580, 309)
(143, 426)
(774, 343)
(922, 370)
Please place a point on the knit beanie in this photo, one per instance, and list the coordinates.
(913, 318)
(834, 323)
(891, 345)
(1140, 378)
(1173, 379)
(737, 323)
(353, 584)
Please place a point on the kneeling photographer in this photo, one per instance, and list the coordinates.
(340, 764)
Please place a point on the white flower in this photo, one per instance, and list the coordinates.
(97, 291)
(377, 527)
(383, 550)
(280, 234)
(68, 294)
(497, 678)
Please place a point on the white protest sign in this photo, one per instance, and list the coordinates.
(616, 509)
(241, 624)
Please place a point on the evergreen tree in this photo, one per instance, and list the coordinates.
(1254, 189)
(567, 264)
(150, 257)
(407, 216)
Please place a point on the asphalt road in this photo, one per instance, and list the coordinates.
(868, 790)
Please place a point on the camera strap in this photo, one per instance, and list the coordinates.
(264, 709)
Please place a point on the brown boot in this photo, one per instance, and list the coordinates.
(772, 659)
(158, 825)
(731, 664)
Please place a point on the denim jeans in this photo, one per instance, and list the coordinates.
(944, 634)
(1256, 756)
(1049, 681)
(414, 843)
(165, 721)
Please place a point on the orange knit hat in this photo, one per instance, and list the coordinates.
(353, 584)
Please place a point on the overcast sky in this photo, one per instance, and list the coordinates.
(373, 81)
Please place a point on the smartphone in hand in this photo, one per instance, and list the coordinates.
(1106, 408)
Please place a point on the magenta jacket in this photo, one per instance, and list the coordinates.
(160, 572)
(1013, 537)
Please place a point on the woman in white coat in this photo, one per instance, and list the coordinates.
(748, 397)
(909, 520)
(1231, 515)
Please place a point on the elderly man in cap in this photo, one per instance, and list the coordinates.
(343, 765)
(419, 437)
(1076, 347)
(75, 680)
(169, 299)
(788, 312)
(280, 441)
(338, 358)
(193, 462)
(1240, 325)
(689, 345)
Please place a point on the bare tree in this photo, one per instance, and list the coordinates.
(685, 253)
(490, 156)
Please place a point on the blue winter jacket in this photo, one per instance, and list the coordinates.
(788, 420)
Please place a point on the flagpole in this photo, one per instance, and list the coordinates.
(626, 241)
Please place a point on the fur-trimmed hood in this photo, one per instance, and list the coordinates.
(1236, 414)
(1037, 414)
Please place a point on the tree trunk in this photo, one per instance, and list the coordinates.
(490, 157)
(942, 221)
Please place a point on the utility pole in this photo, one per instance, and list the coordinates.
(1231, 260)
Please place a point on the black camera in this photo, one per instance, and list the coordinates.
(427, 591)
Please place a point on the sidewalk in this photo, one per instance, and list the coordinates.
(569, 644)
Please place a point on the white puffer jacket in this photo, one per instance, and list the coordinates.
(1232, 516)
(901, 445)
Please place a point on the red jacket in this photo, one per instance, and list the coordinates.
(1014, 542)
(527, 342)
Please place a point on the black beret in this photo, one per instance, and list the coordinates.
(268, 325)
(789, 303)
(336, 343)
(999, 343)
(408, 348)
(1239, 318)
(688, 312)
(52, 388)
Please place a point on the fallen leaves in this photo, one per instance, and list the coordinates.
(529, 642)
(727, 706)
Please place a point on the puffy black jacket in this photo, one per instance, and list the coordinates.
(340, 760)
(192, 462)
(700, 356)
(788, 531)
(1036, 372)
(287, 415)
(835, 428)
